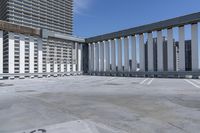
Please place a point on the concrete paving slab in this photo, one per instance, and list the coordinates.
(106, 104)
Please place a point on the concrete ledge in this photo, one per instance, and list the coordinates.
(38, 75)
(19, 29)
(174, 22)
(150, 74)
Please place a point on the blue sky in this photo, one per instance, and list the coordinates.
(95, 17)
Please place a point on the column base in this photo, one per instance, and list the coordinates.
(40, 76)
(21, 77)
(11, 78)
(32, 77)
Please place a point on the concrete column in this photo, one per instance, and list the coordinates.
(133, 53)
(74, 68)
(22, 54)
(90, 57)
(74, 62)
(68, 67)
(1, 52)
(119, 66)
(55, 65)
(113, 55)
(62, 66)
(160, 62)
(104, 57)
(182, 48)
(48, 67)
(142, 53)
(101, 57)
(195, 48)
(126, 54)
(31, 55)
(107, 56)
(96, 57)
(40, 56)
(11, 54)
(170, 50)
(79, 57)
(150, 52)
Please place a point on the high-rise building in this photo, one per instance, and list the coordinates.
(36, 37)
(53, 15)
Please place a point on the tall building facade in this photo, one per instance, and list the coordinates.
(36, 38)
(53, 15)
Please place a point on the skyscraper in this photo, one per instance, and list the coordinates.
(36, 37)
(53, 15)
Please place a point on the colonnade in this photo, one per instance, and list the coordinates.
(107, 55)
(25, 55)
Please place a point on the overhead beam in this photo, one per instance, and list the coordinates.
(166, 24)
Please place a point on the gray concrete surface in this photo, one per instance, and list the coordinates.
(86, 104)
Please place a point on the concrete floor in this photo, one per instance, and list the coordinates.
(84, 104)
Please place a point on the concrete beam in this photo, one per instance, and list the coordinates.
(7, 26)
(174, 22)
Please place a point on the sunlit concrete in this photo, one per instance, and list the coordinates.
(100, 105)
